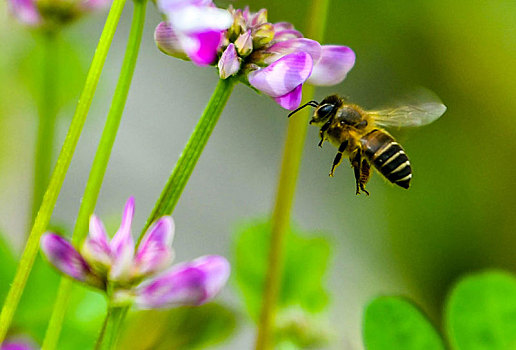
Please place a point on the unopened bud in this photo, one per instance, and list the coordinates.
(244, 44)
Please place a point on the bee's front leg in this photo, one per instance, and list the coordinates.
(338, 157)
(322, 132)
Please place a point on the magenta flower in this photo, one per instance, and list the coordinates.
(49, 14)
(273, 58)
(17, 344)
(193, 28)
(191, 283)
(137, 274)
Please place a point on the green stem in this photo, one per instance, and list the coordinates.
(190, 155)
(102, 334)
(111, 328)
(99, 165)
(280, 221)
(47, 119)
(192, 151)
(62, 165)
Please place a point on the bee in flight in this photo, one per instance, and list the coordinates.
(358, 134)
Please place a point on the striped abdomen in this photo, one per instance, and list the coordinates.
(388, 157)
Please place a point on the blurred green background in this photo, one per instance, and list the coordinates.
(457, 217)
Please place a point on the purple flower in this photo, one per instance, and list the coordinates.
(63, 255)
(25, 11)
(17, 344)
(193, 27)
(50, 14)
(117, 259)
(191, 283)
(273, 58)
(103, 262)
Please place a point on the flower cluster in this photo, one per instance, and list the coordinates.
(17, 344)
(274, 58)
(142, 276)
(52, 13)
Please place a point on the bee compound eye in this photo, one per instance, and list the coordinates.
(325, 110)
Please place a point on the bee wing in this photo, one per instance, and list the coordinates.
(409, 115)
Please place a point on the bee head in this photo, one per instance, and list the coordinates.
(323, 110)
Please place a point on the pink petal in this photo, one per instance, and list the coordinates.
(122, 245)
(202, 47)
(246, 13)
(155, 250)
(292, 100)
(98, 232)
(216, 269)
(283, 48)
(168, 42)
(259, 18)
(197, 19)
(278, 27)
(335, 63)
(190, 283)
(17, 344)
(284, 75)
(25, 11)
(175, 5)
(64, 257)
(96, 249)
(229, 63)
(124, 232)
(287, 35)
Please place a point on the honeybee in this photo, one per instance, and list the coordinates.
(357, 133)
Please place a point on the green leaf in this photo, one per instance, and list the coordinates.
(395, 323)
(306, 261)
(481, 312)
(178, 329)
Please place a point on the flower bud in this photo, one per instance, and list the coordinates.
(244, 44)
(238, 26)
(168, 42)
(229, 63)
(262, 35)
(259, 18)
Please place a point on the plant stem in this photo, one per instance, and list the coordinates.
(111, 328)
(102, 334)
(99, 165)
(190, 155)
(192, 151)
(280, 221)
(62, 165)
(47, 119)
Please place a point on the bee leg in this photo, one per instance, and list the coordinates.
(365, 175)
(321, 134)
(356, 162)
(338, 157)
(322, 131)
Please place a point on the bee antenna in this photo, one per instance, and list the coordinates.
(312, 103)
